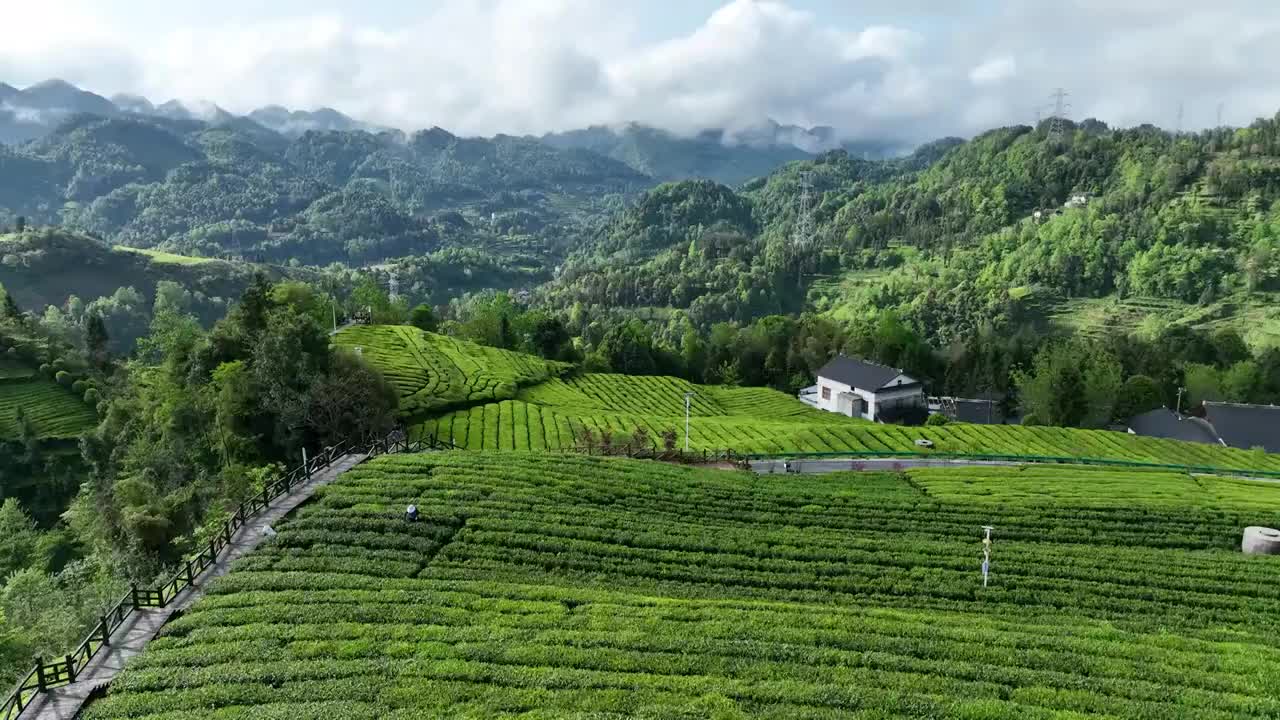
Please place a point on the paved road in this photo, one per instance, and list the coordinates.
(829, 465)
(129, 640)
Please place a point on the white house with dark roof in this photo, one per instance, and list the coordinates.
(857, 388)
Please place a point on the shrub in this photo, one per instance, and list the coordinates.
(937, 420)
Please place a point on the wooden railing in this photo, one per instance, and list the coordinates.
(64, 671)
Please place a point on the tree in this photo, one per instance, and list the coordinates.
(17, 539)
(1203, 383)
(424, 318)
(95, 340)
(1070, 385)
(1242, 382)
(1139, 394)
(353, 400)
(11, 309)
(551, 339)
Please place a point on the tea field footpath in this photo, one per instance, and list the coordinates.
(66, 702)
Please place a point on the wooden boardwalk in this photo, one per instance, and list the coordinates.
(65, 702)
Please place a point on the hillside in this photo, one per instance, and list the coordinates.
(557, 586)
(962, 234)
(433, 372)
(46, 267)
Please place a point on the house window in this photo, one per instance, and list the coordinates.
(826, 393)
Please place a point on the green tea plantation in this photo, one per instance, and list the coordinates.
(431, 371)
(520, 425)
(53, 411)
(546, 586)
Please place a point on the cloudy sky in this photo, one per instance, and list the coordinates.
(884, 69)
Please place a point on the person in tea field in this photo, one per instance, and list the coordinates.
(411, 513)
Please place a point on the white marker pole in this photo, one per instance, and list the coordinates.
(687, 397)
(986, 554)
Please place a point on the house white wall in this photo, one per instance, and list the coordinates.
(829, 392)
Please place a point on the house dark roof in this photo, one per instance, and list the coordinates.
(1246, 426)
(1165, 423)
(981, 412)
(860, 373)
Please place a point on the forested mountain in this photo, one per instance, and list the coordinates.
(31, 112)
(241, 190)
(964, 234)
(726, 157)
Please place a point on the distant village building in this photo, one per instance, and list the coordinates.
(1077, 200)
(1245, 426)
(1165, 423)
(978, 411)
(1229, 424)
(857, 388)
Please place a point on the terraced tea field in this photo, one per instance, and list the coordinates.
(54, 411)
(660, 396)
(13, 370)
(517, 425)
(483, 398)
(541, 586)
(431, 371)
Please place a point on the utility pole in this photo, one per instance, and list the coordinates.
(1220, 107)
(688, 397)
(1178, 128)
(394, 287)
(1058, 124)
(1180, 391)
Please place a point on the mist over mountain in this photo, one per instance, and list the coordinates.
(728, 155)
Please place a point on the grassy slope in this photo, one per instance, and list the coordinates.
(432, 372)
(164, 258)
(557, 587)
(1255, 316)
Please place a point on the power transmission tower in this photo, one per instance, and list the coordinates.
(1058, 121)
(802, 235)
(1220, 106)
(1178, 128)
(394, 287)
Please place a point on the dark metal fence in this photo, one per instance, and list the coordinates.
(65, 670)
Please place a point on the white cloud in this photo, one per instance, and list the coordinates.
(994, 71)
(537, 65)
